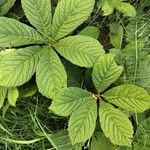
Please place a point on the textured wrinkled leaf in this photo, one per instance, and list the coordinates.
(80, 50)
(18, 65)
(69, 100)
(5, 5)
(13, 95)
(133, 54)
(62, 141)
(142, 136)
(107, 7)
(3, 92)
(116, 35)
(82, 122)
(129, 97)
(38, 13)
(90, 31)
(14, 33)
(105, 72)
(69, 14)
(51, 76)
(100, 142)
(115, 125)
(143, 74)
(126, 8)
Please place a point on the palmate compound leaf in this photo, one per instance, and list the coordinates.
(18, 65)
(14, 33)
(69, 100)
(39, 14)
(80, 50)
(115, 125)
(3, 92)
(105, 72)
(13, 95)
(82, 107)
(69, 14)
(51, 76)
(82, 122)
(129, 97)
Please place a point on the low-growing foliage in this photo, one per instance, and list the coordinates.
(55, 49)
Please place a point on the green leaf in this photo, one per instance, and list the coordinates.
(14, 33)
(83, 121)
(17, 66)
(116, 35)
(38, 13)
(75, 75)
(132, 56)
(80, 50)
(5, 5)
(115, 125)
(90, 31)
(105, 72)
(3, 92)
(69, 100)
(27, 90)
(13, 95)
(126, 8)
(143, 74)
(63, 142)
(107, 7)
(100, 142)
(51, 76)
(69, 14)
(129, 97)
(142, 136)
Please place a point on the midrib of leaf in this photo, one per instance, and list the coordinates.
(85, 52)
(72, 12)
(40, 18)
(24, 62)
(85, 118)
(20, 36)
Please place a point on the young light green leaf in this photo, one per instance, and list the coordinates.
(83, 121)
(105, 72)
(100, 142)
(14, 33)
(116, 35)
(69, 100)
(18, 65)
(126, 8)
(38, 13)
(13, 95)
(51, 76)
(80, 50)
(90, 31)
(69, 14)
(115, 125)
(129, 97)
(107, 7)
(5, 5)
(3, 92)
